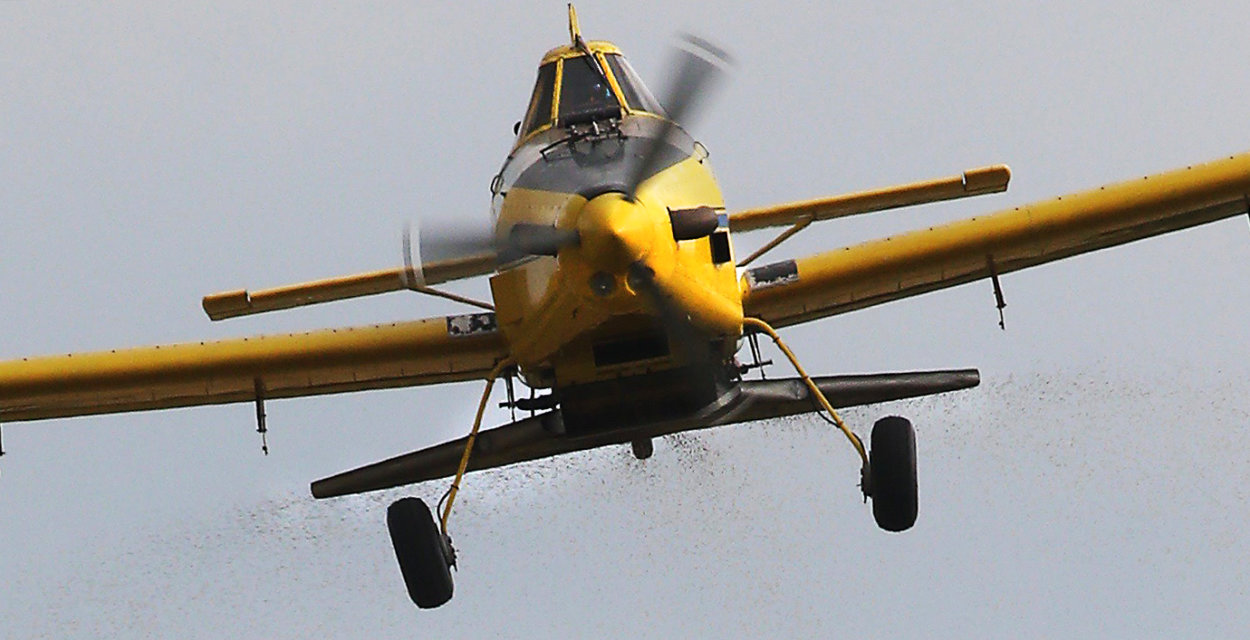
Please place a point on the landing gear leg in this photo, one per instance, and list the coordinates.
(425, 555)
(423, 546)
(891, 478)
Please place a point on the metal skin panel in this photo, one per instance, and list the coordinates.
(913, 263)
(422, 352)
(590, 168)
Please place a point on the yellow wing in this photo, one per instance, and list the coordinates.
(433, 350)
(241, 302)
(913, 263)
(973, 182)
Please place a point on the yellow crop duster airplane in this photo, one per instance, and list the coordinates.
(619, 302)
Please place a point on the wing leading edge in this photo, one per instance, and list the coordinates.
(910, 264)
(433, 350)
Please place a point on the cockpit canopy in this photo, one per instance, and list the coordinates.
(589, 88)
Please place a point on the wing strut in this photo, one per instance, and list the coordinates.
(798, 226)
(998, 291)
(260, 416)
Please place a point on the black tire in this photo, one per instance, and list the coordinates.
(419, 548)
(892, 465)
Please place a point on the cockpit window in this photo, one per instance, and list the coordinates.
(584, 94)
(539, 113)
(635, 91)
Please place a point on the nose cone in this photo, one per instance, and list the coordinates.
(615, 232)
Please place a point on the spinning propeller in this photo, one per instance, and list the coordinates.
(614, 230)
(699, 65)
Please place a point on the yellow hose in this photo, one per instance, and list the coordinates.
(824, 402)
(468, 445)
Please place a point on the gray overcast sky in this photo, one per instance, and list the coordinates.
(1093, 485)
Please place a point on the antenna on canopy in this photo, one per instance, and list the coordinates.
(575, 31)
(575, 34)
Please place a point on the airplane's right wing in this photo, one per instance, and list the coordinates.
(241, 302)
(420, 352)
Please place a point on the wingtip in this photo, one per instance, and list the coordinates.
(227, 304)
(991, 179)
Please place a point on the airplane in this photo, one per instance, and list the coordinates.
(618, 301)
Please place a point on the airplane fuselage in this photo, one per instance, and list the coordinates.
(578, 319)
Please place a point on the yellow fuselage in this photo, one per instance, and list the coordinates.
(555, 311)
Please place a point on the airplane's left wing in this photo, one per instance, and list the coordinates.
(871, 273)
(429, 351)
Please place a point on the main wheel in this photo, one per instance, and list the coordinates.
(892, 469)
(423, 556)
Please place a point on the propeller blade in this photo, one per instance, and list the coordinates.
(450, 245)
(451, 240)
(412, 276)
(683, 336)
(700, 64)
(454, 243)
(540, 239)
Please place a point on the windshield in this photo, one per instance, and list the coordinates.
(539, 113)
(585, 94)
(631, 85)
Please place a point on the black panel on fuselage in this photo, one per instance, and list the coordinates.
(560, 162)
